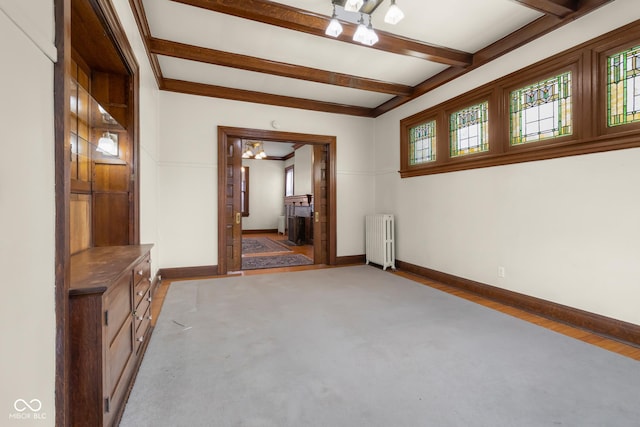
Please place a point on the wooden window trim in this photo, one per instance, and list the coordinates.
(591, 134)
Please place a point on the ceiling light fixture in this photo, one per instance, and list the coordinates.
(334, 29)
(361, 32)
(394, 14)
(353, 5)
(370, 38)
(364, 33)
(253, 149)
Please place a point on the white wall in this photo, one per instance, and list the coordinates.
(303, 171)
(565, 230)
(266, 194)
(27, 213)
(188, 171)
(149, 138)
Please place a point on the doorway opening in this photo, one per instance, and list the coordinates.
(318, 218)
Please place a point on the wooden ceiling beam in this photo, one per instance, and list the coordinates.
(307, 22)
(143, 27)
(202, 89)
(518, 38)
(559, 8)
(250, 63)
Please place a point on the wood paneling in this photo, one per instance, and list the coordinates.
(80, 222)
(111, 177)
(110, 219)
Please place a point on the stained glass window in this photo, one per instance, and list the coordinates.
(623, 87)
(541, 110)
(469, 130)
(422, 143)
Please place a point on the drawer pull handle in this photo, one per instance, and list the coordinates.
(141, 272)
(149, 299)
(139, 317)
(140, 339)
(150, 317)
(140, 293)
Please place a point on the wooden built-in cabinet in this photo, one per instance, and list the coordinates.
(106, 316)
(101, 189)
(110, 316)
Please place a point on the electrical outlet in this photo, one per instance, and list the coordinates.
(501, 271)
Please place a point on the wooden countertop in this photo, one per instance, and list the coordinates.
(94, 269)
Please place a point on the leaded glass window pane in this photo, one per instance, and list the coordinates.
(541, 110)
(469, 130)
(422, 143)
(623, 87)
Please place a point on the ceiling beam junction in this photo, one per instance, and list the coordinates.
(559, 8)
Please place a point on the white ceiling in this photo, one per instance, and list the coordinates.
(459, 26)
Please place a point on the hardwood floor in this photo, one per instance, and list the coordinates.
(570, 331)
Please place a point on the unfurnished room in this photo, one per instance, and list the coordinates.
(320, 213)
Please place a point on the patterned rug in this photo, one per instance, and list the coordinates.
(257, 262)
(261, 244)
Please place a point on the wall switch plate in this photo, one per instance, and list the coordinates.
(501, 272)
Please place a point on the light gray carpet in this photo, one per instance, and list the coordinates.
(356, 346)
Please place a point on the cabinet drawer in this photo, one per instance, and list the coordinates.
(142, 310)
(140, 291)
(141, 328)
(117, 306)
(142, 271)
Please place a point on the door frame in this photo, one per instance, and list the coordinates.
(225, 132)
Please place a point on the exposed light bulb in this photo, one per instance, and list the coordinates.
(394, 14)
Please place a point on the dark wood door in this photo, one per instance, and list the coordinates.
(320, 204)
(233, 214)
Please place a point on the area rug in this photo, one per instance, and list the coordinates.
(257, 262)
(356, 346)
(261, 244)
